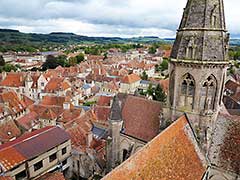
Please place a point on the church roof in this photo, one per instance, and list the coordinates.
(141, 117)
(225, 146)
(174, 154)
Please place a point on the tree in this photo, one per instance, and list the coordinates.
(152, 50)
(80, 58)
(150, 90)
(2, 61)
(164, 65)
(72, 61)
(159, 94)
(144, 76)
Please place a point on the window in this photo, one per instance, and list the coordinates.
(187, 91)
(64, 150)
(21, 175)
(208, 93)
(64, 162)
(42, 83)
(38, 165)
(53, 157)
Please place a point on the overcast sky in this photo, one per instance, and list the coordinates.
(125, 18)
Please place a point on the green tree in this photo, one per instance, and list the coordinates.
(159, 94)
(80, 58)
(150, 90)
(164, 65)
(2, 61)
(72, 61)
(144, 76)
(152, 50)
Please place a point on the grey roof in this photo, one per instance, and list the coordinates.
(116, 112)
(224, 150)
(99, 133)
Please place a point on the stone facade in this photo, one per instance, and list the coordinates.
(198, 65)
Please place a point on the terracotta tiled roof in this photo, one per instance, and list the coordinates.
(8, 130)
(104, 100)
(52, 176)
(69, 115)
(48, 114)
(165, 85)
(27, 101)
(79, 129)
(6, 178)
(13, 80)
(129, 79)
(141, 117)
(28, 120)
(172, 155)
(225, 146)
(57, 84)
(53, 101)
(102, 113)
(14, 103)
(232, 86)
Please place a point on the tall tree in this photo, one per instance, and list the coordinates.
(159, 94)
(144, 76)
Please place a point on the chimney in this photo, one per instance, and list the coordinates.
(4, 75)
(66, 105)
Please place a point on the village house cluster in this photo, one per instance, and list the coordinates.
(97, 119)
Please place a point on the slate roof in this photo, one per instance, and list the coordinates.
(172, 155)
(225, 146)
(30, 146)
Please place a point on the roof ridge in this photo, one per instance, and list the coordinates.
(48, 128)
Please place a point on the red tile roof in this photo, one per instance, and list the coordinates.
(104, 100)
(53, 101)
(14, 103)
(172, 155)
(102, 113)
(56, 84)
(30, 145)
(129, 79)
(52, 176)
(13, 80)
(8, 130)
(141, 117)
(28, 120)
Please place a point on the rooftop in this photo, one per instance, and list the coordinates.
(173, 154)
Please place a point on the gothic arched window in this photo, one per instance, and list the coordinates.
(208, 94)
(187, 91)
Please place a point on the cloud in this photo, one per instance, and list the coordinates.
(102, 17)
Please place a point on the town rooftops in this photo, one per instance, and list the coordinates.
(132, 78)
(172, 155)
(30, 145)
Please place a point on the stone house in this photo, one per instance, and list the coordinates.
(31, 156)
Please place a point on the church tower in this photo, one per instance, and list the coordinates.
(198, 64)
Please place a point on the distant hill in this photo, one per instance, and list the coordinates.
(8, 36)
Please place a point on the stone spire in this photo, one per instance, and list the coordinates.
(202, 34)
(116, 114)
